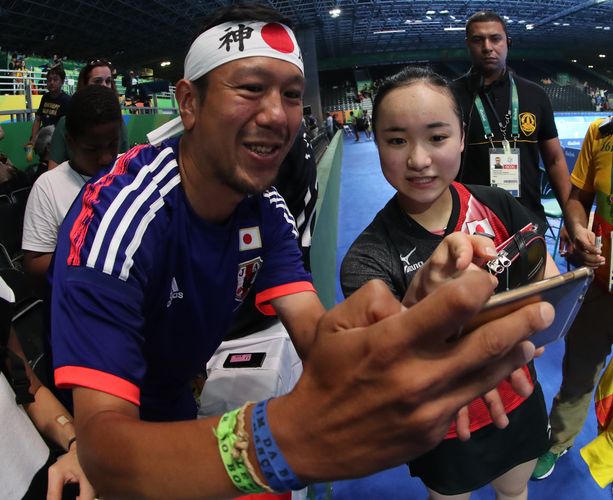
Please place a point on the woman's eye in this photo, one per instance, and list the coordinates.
(396, 140)
(439, 138)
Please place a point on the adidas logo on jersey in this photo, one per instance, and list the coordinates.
(175, 293)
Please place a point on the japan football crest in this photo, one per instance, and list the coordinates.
(247, 271)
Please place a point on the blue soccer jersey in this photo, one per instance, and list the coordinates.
(144, 289)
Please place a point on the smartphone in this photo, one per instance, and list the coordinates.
(564, 292)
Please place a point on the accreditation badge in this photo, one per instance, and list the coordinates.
(504, 169)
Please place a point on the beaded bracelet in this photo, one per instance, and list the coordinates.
(230, 453)
(276, 470)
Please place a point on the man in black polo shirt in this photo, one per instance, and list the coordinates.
(508, 117)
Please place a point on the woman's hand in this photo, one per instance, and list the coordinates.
(456, 254)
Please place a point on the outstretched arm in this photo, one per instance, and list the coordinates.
(380, 386)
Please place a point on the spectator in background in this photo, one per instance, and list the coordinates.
(485, 94)
(41, 148)
(25, 457)
(7, 170)
(93, 126)
(130, 84)
(330, 130)
(96, 72)
(589, 340)
(353, 123)
(17, 65)
(367, 124)
(53, 104)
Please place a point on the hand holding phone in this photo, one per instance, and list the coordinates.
(565, 292)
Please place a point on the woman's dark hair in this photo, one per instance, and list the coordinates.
(91, 106)
(406, 77)
(242, 11)
(87, 69)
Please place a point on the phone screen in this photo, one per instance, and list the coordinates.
(565, 292)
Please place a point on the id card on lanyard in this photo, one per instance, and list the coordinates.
(504, 163)
(504, 169)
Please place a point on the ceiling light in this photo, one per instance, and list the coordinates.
(430, 12)
(506, 17)
(165, 63)
(591, 66)
(387, 32)
(428, 18)
(522, 22)
(451, 17)
(335, 12)
(573, 60)
(529, 26)
(607, 28)
(454, 28)
(443, 12)
(565, 24)
(602, 56)
(556, 24)
(598, 27)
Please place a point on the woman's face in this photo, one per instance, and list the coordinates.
(420, 143)
(100, 75)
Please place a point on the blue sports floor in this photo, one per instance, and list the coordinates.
(364, 191)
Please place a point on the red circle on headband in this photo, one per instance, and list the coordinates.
(277, 37)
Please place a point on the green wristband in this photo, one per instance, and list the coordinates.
(238, 473)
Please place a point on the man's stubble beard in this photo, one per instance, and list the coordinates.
(243, 186)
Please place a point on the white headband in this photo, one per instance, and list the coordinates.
(227, 42)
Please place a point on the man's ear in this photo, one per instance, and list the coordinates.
(509, 42)
(188, 101)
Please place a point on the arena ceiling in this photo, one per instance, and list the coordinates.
(135, 33)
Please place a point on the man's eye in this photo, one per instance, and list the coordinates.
(293, 94)
(251, 88)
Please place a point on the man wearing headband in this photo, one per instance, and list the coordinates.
(161, 250)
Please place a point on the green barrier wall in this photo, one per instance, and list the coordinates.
(325, 236)
(17, 134)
